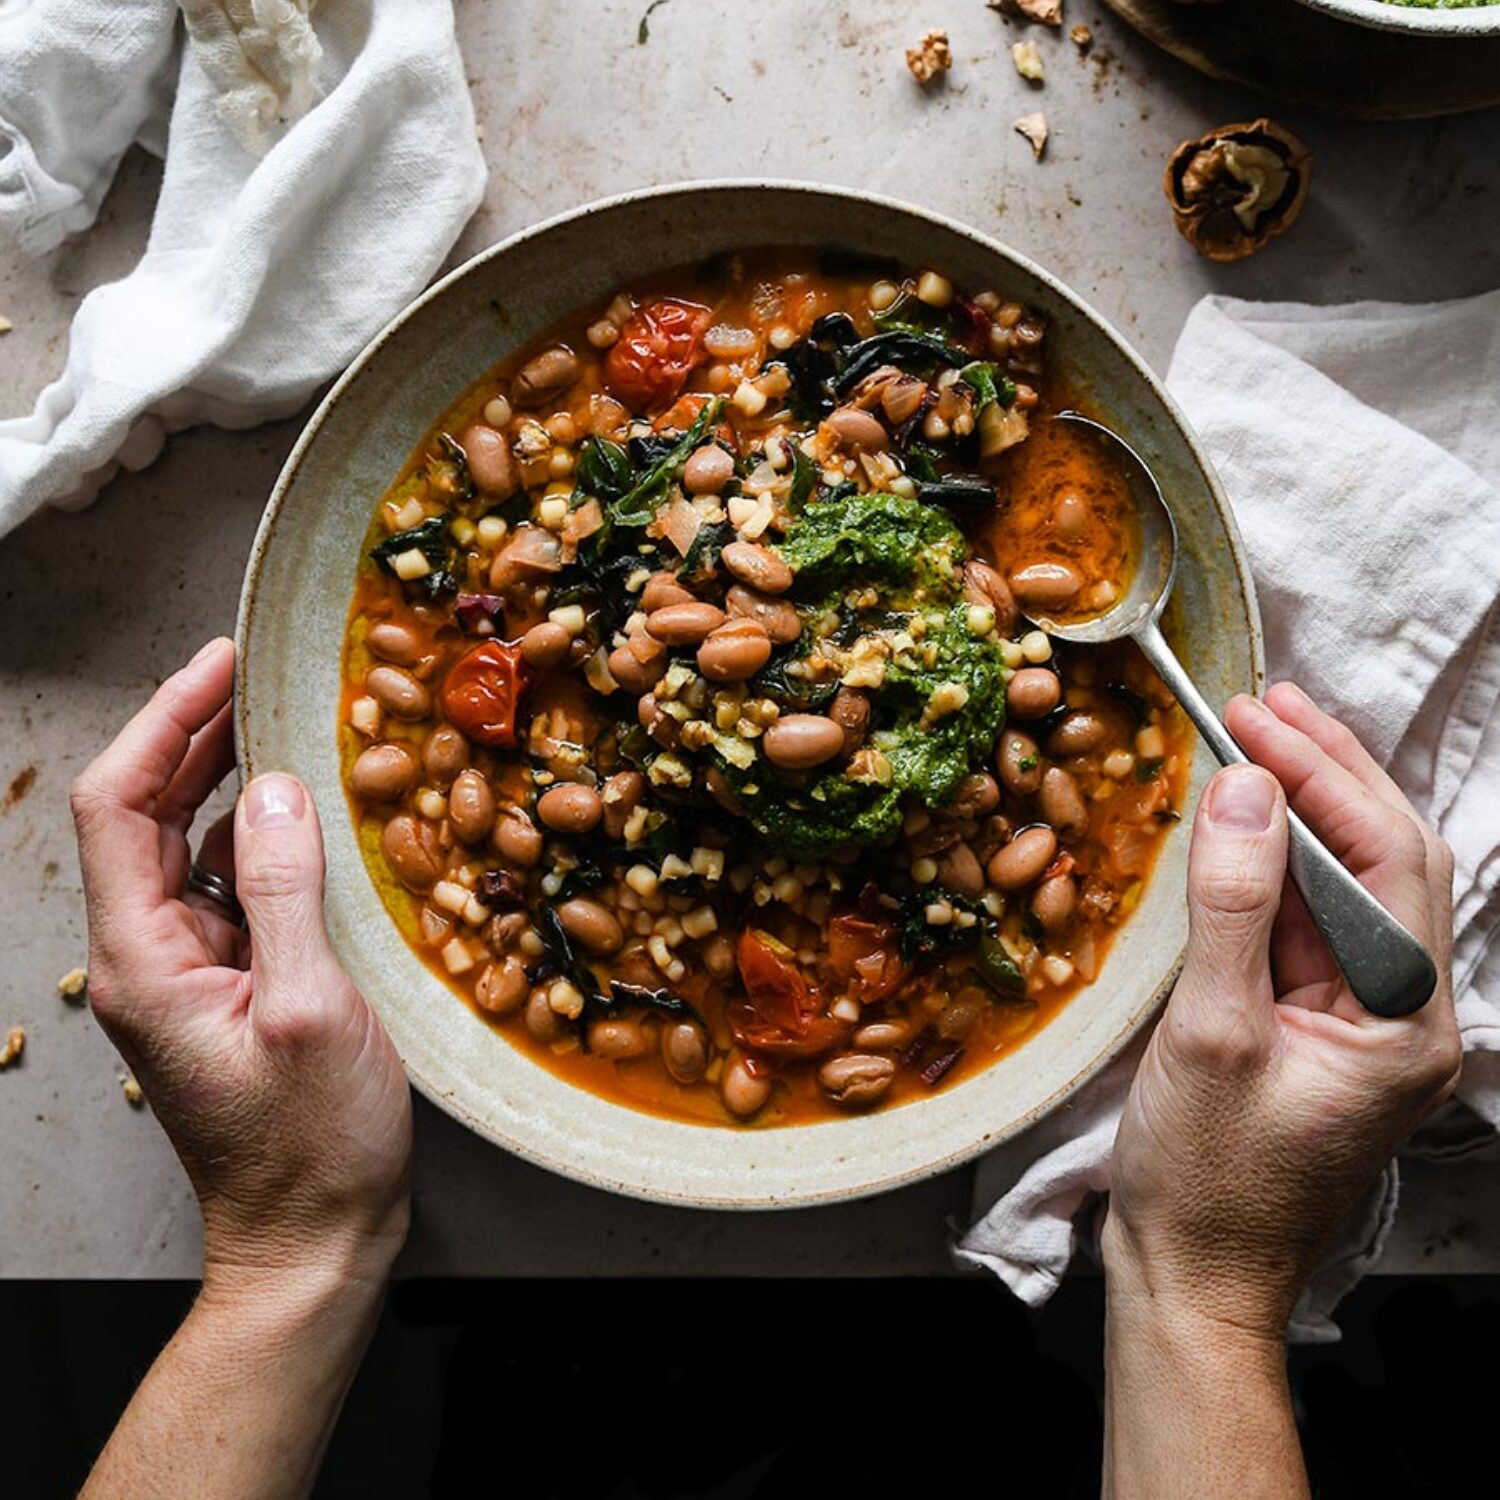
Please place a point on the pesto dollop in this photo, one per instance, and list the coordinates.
(879, 578)
(860, 540)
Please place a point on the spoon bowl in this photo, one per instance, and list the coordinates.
(1156, 566)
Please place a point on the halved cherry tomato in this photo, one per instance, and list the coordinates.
(483, 690)
(862, 952)
(823, 1034)
(781, 1015)
(659, 344)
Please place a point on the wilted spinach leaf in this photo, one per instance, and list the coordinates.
(964, 495)
(703, 555)
(916, 353)
(604, 469)
(435, 542)
(638, 504)
(919, 939)
(989, 383)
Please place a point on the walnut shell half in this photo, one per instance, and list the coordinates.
(1237, 187)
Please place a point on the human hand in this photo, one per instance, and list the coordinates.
(1268, 1098)
(275, 1081)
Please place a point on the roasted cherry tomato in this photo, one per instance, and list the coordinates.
(781, 1016)
(659, 344)
(863, 953)
(483, 691)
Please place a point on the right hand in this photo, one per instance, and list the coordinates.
(275, 1081)
(1268, 1099)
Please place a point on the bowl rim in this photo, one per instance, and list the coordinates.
(1131, 1026)
(1417, 20)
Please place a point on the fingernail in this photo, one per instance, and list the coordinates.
(1291, 687)
(1253, 704)
(274, 801)
(206, 648)
(1243, 798)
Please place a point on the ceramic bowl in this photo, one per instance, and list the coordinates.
(1479, 20)
(291, 624)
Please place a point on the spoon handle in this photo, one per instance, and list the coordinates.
(1388, 970)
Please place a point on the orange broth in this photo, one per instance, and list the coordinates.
(1129, 807)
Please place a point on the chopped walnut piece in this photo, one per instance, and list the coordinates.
(133, 1092)
(1237, 187)
(5, 324)
(1027, 57)
(1034, 128)
(1081, 37)
(73, 983)
(1048, 12)
(15, 1045)
(929, 57)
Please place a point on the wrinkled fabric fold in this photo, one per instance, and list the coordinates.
(264, 274)
(80, 81)
(1358, 449)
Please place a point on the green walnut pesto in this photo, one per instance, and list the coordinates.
(880, 578)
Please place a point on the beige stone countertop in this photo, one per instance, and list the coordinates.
(98, 607)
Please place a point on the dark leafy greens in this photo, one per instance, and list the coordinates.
(604, 469)
(913, 352)
(435, 542)
(919, 940)
(989, 382)
(637, 505)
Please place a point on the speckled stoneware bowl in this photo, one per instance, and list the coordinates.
(291, 625)
(1478, 20)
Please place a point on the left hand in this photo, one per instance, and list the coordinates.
(274, 1079)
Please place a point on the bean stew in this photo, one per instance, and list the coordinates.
(693, 724)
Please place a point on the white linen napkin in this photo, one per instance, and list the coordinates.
(1359, 449)
(313, 185)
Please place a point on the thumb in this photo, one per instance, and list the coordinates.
(278, 876)
(1236, 871)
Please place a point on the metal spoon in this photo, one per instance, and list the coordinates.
(1389, 971)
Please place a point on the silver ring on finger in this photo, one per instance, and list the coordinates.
(218, 890)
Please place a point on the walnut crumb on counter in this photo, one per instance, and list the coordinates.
(5, 324)
(1027, 57)
(133, 1092)
(1034, 128)
(1047, 12)
(929, 57)
(15, 1045)
(1082, 37)
(73, 983)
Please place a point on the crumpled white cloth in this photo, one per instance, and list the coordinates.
(1359, 448)
(314, 182)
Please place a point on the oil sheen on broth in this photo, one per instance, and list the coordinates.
(692, 721)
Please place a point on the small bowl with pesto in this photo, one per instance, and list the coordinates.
(650, 609)
(1430, 18)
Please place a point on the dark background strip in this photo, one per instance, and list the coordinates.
(717, 1390)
